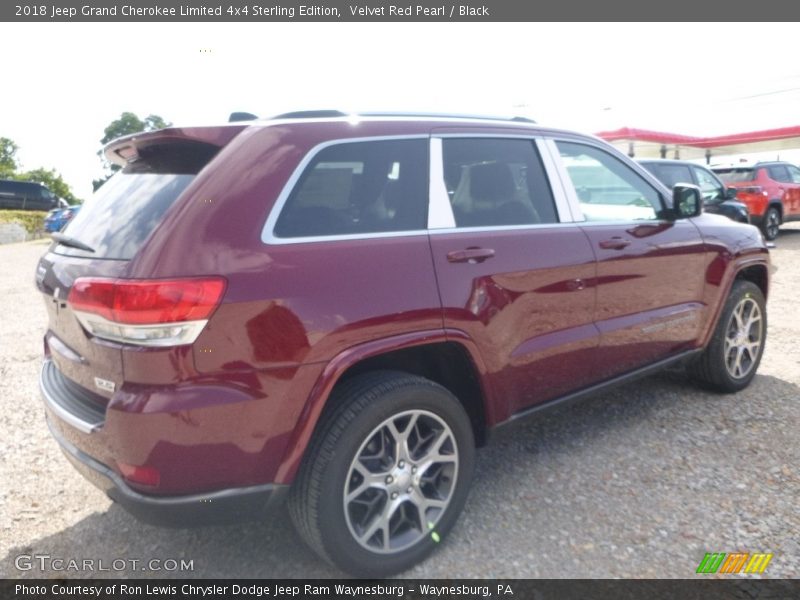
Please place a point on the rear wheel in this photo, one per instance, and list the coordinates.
(731, 359)
(772, 223)
(387, 476)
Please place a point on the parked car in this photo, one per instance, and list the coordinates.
(771, 191)
(338, 310)
(717, 197)
(57, 218)
(27, 195)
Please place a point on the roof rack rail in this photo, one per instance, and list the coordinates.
(311, 114)
(447, 116)
(329, 114)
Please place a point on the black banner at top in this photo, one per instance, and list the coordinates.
(259, 11)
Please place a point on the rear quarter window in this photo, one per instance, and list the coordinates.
(359, 188)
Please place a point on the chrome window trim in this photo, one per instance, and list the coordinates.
(570, 195)
(440, 211)
(268, 232)
(501, 228)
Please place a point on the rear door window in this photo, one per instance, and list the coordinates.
(355, 188)
(496, 182)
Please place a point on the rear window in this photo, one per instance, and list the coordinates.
(118, 218)
(736, 175)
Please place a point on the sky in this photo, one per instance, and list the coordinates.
(65, 82)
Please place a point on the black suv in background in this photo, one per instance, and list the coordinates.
(717, 197)
(27, 195)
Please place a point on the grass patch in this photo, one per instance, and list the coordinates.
(31, 220)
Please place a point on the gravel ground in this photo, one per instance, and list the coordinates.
(637, 482)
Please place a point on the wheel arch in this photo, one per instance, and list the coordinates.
(755, 271)
(448, 358)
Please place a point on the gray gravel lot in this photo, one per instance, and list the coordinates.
(637, 482)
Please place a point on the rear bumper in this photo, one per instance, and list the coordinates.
(223, 506)
(67, 410)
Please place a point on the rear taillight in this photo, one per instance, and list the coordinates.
(146, 312)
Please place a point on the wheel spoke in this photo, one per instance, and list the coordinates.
(368, 480)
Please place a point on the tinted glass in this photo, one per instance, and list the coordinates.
(794, 173)
(360, 187)
(779, 173)
(122, 213)
(712, 189)
(496, 182)
(607, 188)
(669, 174)
(736, 175)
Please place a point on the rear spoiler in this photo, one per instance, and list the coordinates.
(130, 148)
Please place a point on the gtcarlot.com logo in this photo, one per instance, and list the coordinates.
(734, 562)
(45, 562)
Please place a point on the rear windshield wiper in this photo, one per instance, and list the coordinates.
(69, 241)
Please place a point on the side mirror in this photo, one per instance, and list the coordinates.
(687, 201)
(730, 193)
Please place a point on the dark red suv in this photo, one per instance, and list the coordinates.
(339, 309)
(771, 190)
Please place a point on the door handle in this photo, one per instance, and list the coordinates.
(615, 243)
(470, 255)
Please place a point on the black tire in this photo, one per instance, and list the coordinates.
(358, 429)
(772, 223)
(729, 362)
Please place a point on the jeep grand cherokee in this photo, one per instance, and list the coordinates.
(339, 309)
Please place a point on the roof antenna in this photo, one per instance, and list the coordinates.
(241, 116)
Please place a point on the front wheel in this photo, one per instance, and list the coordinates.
(387, 475)
(731, 359)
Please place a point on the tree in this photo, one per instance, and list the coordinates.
(52, 180)
(127, 124)
(8, 157)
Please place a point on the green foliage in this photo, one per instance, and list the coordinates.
(127, 124)
(8, 158)
(31, 220)
(52, 180)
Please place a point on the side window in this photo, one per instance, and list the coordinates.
(711, 188)
(669, 174)
(794, 173)
(607, 188)
(496, 182)
(779, 173)
(360, 187)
